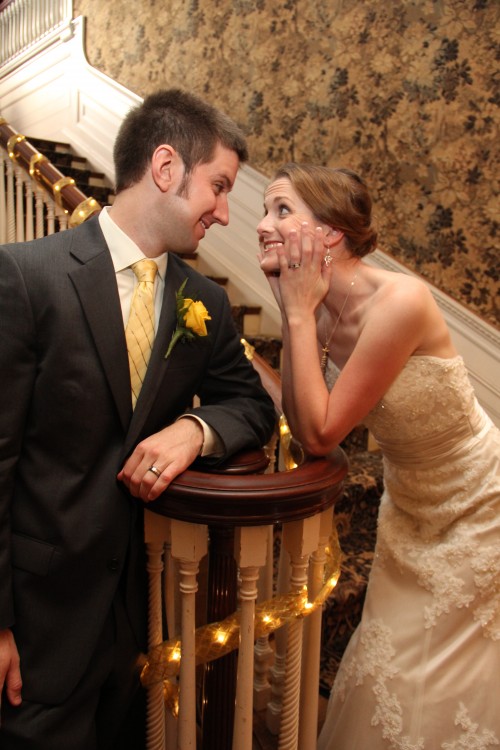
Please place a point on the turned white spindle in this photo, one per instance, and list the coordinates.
(189, 545)
(308, 719)
(19, 203)
(29, 232)
(263, 657)
(277, 682)
(171, 598)
(250, 555)
(277, 671)
(171, 592)
(51, 217)
(155, 531)
(263, 653)
(3, 204)
(62, 218)
(11, 214)
(39, 212)
(300, 539)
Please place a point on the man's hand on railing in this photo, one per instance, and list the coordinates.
(160, 458)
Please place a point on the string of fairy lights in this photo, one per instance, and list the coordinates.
(219, 638)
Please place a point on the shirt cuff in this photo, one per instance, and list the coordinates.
(212, 444)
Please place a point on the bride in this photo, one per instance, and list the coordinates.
(421, 672)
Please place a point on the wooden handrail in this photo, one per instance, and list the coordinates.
(249, 499)
(246, 462)
(63, 189)
(271, 379)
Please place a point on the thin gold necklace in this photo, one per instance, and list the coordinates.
(325, 349)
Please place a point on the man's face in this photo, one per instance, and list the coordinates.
(203, 201)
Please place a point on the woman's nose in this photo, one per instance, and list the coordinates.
(263, 226)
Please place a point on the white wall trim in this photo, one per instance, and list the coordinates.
(58, 95)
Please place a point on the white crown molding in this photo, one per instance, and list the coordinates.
(59, 96)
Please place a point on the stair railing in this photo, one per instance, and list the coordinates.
(230, 517)
(30, 27)
(36, 198)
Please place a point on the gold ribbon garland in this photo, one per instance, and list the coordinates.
(12, 143)
(82, 212)
(220, 638)
(35, 162)
(58, 186)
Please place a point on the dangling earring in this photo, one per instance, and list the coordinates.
(328, 258)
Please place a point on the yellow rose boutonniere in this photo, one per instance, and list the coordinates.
(191, 317)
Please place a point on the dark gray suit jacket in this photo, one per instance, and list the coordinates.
(68, 529)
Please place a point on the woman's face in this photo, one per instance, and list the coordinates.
(284, 211)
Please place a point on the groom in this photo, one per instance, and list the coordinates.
(78, 449)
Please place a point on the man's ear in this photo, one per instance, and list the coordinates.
(164, 163)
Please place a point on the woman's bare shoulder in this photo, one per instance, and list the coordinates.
(402, 291)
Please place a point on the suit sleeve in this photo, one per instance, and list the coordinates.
(17, 374)
(232, 399)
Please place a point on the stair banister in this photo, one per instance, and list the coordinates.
(63, 189)
(226, 504)
(247, 499)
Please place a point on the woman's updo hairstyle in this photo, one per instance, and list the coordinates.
(337, 197)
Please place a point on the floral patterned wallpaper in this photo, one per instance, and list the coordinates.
(406, 92)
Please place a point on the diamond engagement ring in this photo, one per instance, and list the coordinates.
(294, 265)
(155, 471)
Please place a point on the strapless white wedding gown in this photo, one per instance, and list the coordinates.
(422, 670)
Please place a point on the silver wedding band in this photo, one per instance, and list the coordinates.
(155, 471)
(294, 265)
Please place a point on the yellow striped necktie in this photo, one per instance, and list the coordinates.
(140, 330)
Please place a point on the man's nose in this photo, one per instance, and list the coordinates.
(221, 213)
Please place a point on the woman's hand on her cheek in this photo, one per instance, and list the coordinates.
(268, 263)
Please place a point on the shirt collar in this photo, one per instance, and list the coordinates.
(122, 249)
